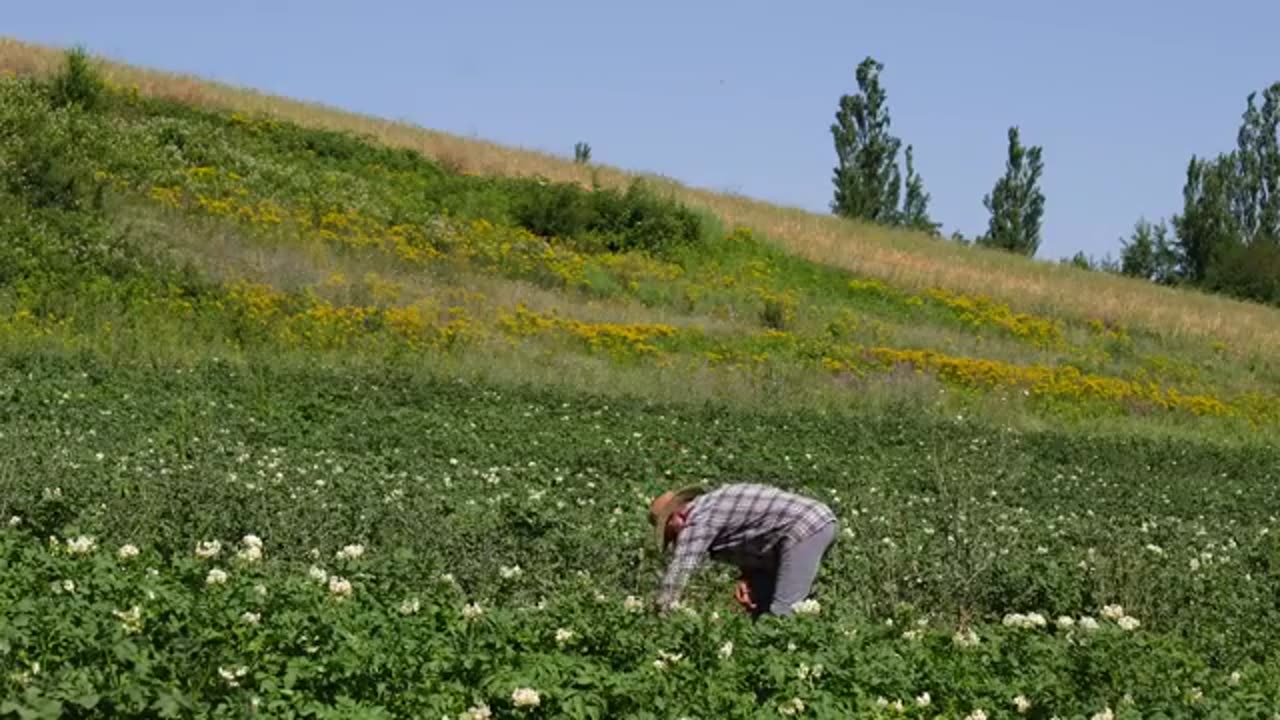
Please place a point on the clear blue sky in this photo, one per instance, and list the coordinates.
(740, 96)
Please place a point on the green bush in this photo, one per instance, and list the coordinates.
(78, 83)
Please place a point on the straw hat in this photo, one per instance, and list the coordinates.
(659, 514)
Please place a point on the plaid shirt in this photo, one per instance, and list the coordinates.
(741, 524)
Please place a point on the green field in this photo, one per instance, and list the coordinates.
(378, 429)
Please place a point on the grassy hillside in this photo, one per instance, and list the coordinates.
(241, 337)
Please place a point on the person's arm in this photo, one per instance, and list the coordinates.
(692, 547)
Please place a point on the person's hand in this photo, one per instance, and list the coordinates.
(742, 593)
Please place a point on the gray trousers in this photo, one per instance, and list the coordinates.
(775, 590)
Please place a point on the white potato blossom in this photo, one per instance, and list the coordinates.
(131, 619)
(1113, 612)
(1106, 714)
(232, 675)
(340, 587)
(260, 589)
(216, 577)
(69, 585)
(1022, 704)
(251, 540)
(410, 606)
(563, 635)
(807, 607)
(976, 715)
(350, 552)
(794, 706)
(633, 604)
(209, 549)
(478, 712)
(318, 574)
(1088, 623)
(127, 551)
(726, 650)
(1065, 622)
(1234, 679)
(251, 618)
(924, 700)
(15, 521)
(471, 611)
(1028, 621)
(510, 572)
(1128, 622)
(965, 638)
(525, 697)
(82, 545)
(250, 554)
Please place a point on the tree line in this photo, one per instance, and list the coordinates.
(1226, 239)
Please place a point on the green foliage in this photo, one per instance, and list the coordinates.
(1149, 253)
(1016, 203)
(866, 177)
(78, 83)
(950, 529)
(915, 206)
(581, 153)
(604, 219)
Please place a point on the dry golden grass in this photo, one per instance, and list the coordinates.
(905, 259)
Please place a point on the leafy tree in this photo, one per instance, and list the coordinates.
(1016, 203)
(915, 206)
(866, 176)
(1206, 228)
(1149, 253)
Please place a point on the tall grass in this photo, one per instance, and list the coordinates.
(906, 259)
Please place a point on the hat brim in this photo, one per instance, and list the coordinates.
(680, 497)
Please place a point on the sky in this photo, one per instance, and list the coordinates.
(740, 96)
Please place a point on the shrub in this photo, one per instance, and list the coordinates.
(78, 83)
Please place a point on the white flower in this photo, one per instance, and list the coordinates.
(1106, 714)
(471, 611)
(69, 585)
(633, 604)
(1234, 679)
(806, 672)
(1194, 564)
(1113, 612)
(666, 659)
(410, 606)
(251, 540)
(1155, 549)
(1022, 704)
(1196, 695)
(807, 607)
(232, 675)
(510, 572)
(251, 554)
(478, 712)
(1128, 622)
(127, 551)
(318, 574)
(15, 521)
(260, 589)
(209, 549)
(898, 705)
(350, 552)
(1088, 623)
(726, 650)
(82, 545)
(340, 587)
(912, 635)
(923, 699)
(215, 577)
(976, 715)
(251, 618)
(965, 638)
(448, 579)
(794, 706)
(131, 618)
(526, 697)
(1028, 622)
(1066, 622)
(563, 635)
